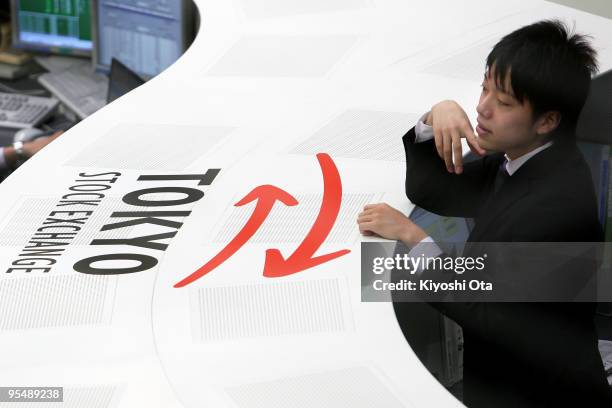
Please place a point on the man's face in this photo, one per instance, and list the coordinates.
(504, 123)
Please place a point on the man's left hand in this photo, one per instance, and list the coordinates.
(383, 220)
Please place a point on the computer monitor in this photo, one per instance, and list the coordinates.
(121, 81)
(147, 35)
(52, 26)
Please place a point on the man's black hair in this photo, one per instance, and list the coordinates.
(549, 66)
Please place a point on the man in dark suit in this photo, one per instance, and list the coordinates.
(533, 186)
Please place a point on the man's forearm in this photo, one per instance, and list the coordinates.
(10, 157)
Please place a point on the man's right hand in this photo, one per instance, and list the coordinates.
(450, 123)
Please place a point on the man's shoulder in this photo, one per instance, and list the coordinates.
(561, 204)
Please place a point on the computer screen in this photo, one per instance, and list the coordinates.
(57, 26)
(121, 81)
(146, 35)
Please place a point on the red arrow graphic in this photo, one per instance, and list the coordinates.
(302, 258)
(266, 196)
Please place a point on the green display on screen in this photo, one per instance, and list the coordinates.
(65, 18)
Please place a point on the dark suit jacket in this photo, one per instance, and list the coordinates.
(4, 174)
(520, 354)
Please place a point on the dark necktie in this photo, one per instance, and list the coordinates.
(501, 177)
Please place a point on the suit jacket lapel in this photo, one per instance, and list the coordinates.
(499, 204)
(546, 164)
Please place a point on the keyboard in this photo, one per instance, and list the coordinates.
(24, 111)
(78, 88)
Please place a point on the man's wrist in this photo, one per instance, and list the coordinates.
(426, 248)
(10, 156)
(429, 119)
(413, 236)
(422, 131)
(19, 148)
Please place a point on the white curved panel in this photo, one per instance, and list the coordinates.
(265, 87)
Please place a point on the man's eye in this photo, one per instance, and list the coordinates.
(502, 103)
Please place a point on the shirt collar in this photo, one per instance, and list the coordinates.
(513, 165)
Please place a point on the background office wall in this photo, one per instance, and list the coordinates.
(599, 7)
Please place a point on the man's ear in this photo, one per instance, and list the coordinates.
(547, 122)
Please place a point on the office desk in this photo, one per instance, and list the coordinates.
(262, 90)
